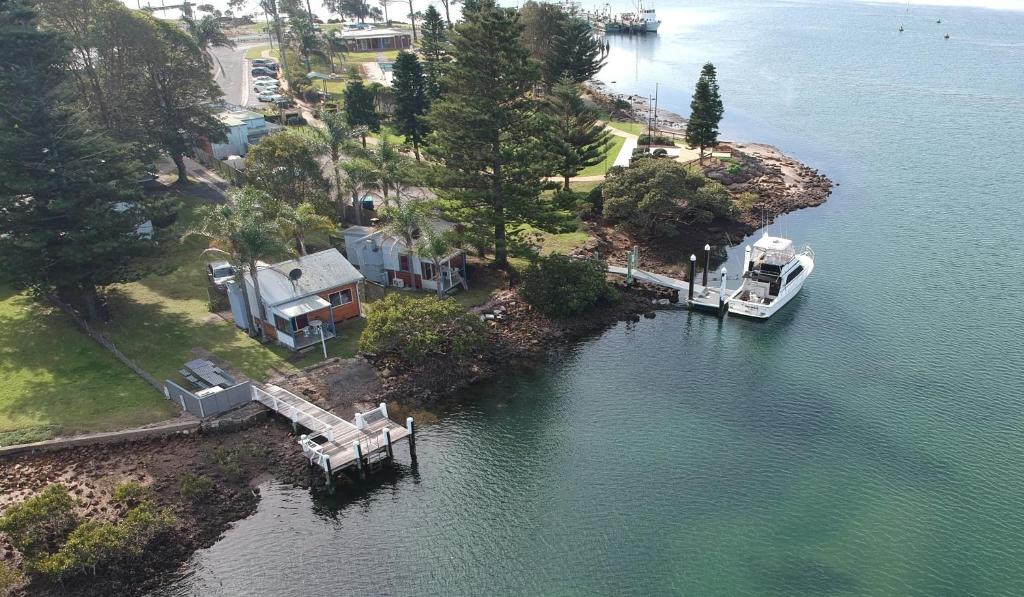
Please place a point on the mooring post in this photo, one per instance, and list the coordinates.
(721, 295)
(693, 274)
(384, 409)
(707, 263)
(412, 437)
(746, 259)
(387, 443)
(330, 474)
(358, 451)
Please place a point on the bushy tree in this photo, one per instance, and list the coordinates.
(41, 523)
(69, 206)
(578, 140)
(285, 165)
(706, 111)
(487, 135)
(559, 286)
(411, 101)
(656, 196)
(413, 328)
(360, 109)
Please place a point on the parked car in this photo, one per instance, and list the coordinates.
(220, 273)
(262, 71)
(262, 61)
(268, 95)
(265, 87)
(284, 101)
(265, 78)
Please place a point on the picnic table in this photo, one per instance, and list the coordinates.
(205, 374)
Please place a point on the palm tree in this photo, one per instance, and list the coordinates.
(334, 138)
(390, 168)
(207, 34)
(359, 178)
(405, 221)
(270, 8)
(244, 231)
(435, 246)
(298, 223)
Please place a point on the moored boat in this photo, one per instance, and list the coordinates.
(773, 273)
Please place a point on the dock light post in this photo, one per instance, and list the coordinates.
(693, 274)
(318, 327)
(707, 263)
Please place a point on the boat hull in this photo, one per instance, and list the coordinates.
(760, 311)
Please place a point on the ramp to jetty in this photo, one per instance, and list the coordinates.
(705, 298)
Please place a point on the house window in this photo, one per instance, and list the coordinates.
(282, 324)
(300, 322)
(428, 271)
(342, 297)
(403, 263)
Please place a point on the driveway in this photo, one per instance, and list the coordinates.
(234, 79)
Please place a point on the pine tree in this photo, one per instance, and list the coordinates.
(575, 53)
(411, 102)
(706, 111)
(359, 108)
(487, 133)
(69, 206)
(434, 49)
(577, 140)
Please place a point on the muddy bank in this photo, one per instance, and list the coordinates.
(235, 462)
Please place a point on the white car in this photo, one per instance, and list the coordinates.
(265, 80)
(265, 88)
(270, 96)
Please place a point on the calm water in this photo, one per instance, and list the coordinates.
(866, 441)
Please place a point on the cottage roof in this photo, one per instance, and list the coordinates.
(370, 33)
(320, 271)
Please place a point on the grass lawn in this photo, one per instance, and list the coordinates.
(584, 186)
(635, 128)
(256, 52)
(390, 134)
(363, 57)
(160, 319)
(563, 242)
(58, 381)
(609, 158)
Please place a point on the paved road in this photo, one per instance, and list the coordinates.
(234, 80)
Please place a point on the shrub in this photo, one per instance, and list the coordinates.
(228, 464)
(621, 104)
(195, 488)
(654, 140)
(39, 524)
(560, 287)
(130, 492)
(10, 579)
(746, 201)
(415, 327)
(596, 198)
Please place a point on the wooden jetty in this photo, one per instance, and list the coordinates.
(333, 443)
(701, 297)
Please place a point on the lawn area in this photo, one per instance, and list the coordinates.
(563, 242)
(58, 381)
(160, 319)
(256, 52)
(363, 57)
(614, 147)
(584, 186)
(390, 134)
(634, 128)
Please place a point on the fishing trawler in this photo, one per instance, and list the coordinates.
(773, 273)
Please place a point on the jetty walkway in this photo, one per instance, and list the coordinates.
(333, 443)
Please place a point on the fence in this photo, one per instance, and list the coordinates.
(233, 175)
(357, 215)
(212, 404)
(105, 343)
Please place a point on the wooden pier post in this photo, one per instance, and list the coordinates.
(707, 263)
(693, 274)
(387, 443)
(412, 437)
(330, 475)
(358, 451)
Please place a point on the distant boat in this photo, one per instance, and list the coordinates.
(901, 27)
(947, 36)
(939, 21)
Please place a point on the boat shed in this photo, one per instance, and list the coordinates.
(373, 40)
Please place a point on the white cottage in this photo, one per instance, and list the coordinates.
(387, 260)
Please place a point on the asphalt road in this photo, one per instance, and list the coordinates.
(234, 79)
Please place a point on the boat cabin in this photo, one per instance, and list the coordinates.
(771, 264)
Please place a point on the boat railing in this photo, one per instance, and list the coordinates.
(807, 250)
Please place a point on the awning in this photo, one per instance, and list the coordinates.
(302, 306)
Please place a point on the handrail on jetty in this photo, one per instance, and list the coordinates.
(333, 443)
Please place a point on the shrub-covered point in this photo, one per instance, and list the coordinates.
(41, 523)
(558, 286)
(412, 328)
(655, 197)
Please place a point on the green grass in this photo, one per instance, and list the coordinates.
(604, 165)
(256, 52)
(58, 381)
(564, 242)
(634, 128)
(364, 57)
(584, 186)
(390, 134)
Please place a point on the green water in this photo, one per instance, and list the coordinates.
(865, 441)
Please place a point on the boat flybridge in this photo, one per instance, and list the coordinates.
(773, 273)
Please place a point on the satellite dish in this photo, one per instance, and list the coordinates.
(295, 274)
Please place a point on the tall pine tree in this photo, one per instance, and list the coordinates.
(706, 111)
(411, 100)
(360, 109)
(578, 140)
(434, 49)
(69, 206)
(487, 133)
(574, 53)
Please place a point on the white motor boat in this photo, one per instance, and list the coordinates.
(649, 20)
(773, 273)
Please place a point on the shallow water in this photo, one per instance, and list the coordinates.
(865, 441)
